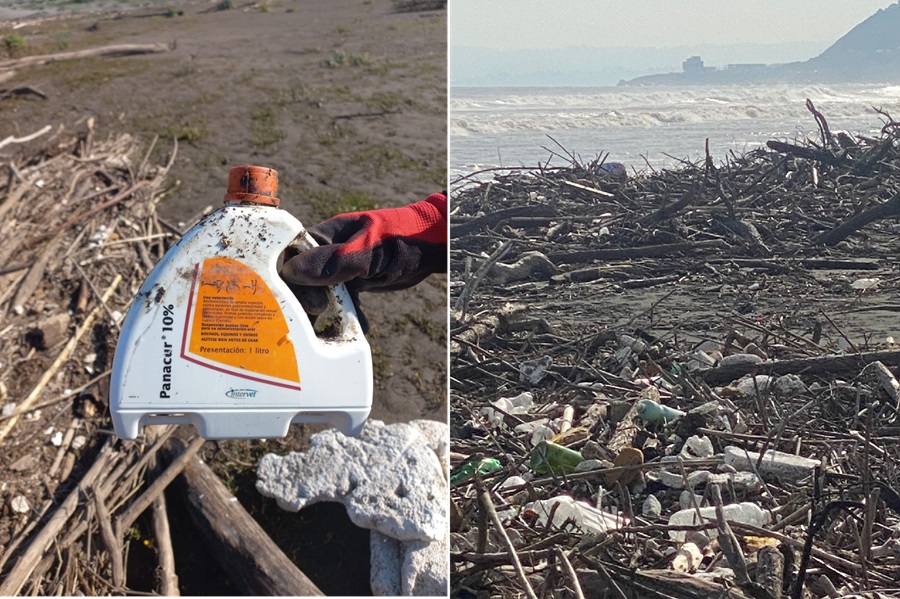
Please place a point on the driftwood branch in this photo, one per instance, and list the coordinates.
(824, 364)
(112, 51)
(20, 140)
(243, 548)
(851, 225)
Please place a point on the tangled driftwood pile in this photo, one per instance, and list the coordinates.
(80, 233)
(712, 339)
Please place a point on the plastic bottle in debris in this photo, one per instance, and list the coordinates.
(583, 516)
(216, 339)
(744, 512)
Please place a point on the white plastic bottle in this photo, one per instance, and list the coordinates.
(216, 339)
(744, 512)
(584, 517)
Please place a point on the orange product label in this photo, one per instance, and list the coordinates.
(238, 322)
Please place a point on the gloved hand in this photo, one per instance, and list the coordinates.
(376, 250)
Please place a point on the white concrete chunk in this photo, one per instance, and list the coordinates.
(389, 479)
(384, 572)
(438, 437)
(423, 571)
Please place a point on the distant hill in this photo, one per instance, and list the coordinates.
(870, 48)
(870, 52)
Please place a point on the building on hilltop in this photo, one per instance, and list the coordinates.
(693, 67)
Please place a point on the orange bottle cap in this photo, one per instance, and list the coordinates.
(254, 184)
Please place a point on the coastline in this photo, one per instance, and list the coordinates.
(743, 295)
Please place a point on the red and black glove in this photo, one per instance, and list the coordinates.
(376, 250)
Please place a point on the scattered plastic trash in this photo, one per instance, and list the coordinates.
(533, 371)
(745, 481)
(584, 517)
(520, 404)
(687, 559)
(865, 283)
(550, 458)
(537, 429)
(655, 413)
(20, 505)
(775, 464)
(697, 447)
(744, 512)
(468, 470)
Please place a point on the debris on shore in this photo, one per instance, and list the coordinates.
(81, 232)
(682, 382)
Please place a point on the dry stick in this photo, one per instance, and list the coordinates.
(770, 570)
(169, 579)
(570, 572)
(72, 393)
(35, 274)
(64, 446)
(247, 553)
(485, 498)
(112, 542)
(888, 381)
(611, 585)
(727, 541)
(103, 51)
(795, 544)
(13, 197)
(886, 209)
(131, 513)
(31, 557)
(824, 364)
(84, 216)
(60, 360)
(647, 251)
(150, 454)
(18, 140)
(472, 284)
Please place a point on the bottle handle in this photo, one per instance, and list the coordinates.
(340, 304)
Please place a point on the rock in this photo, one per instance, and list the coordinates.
(423, 568)
(530, 265)
(751, 385)
(26, 462)
(651, 507)
(384, 569)
(789, 385)
(436, 434)
(50, 331)
(740, 359)
(389, 478)
(588, 465)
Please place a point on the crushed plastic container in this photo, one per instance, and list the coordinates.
(744, 512)
(583, 516)
(216, 339)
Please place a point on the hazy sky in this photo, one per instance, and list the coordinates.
(508, 24)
